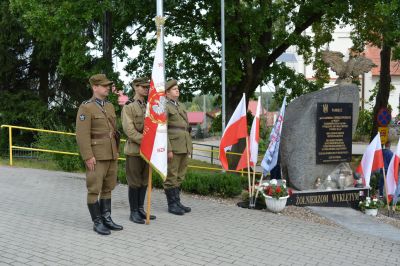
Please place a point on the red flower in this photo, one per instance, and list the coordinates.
(278, 190)
(290, 191)
(390, 197)
(269, 192)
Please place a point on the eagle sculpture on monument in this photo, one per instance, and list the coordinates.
(347, 71)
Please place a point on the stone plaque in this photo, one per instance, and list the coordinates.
(334, 132)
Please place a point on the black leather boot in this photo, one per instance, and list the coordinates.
(135, 217)
(178, 200)
(98, 226)
(172, 206)
(105, 208)
(142, 195)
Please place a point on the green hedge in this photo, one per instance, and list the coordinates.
(202, 183)
(197, 182)
(58, 142)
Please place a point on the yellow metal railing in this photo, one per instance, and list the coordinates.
(11, 147)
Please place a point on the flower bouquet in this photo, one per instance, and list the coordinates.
(275, 193)
(370, 205)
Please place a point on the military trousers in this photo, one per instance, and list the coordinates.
(137, 171)
(102, 180)
(176, 170)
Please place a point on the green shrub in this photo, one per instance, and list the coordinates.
(227, 185)
(203, 183)
(63, 143)
(121, 175)
(157, 181)
(218, 184)
(364, 125)
(374, 182)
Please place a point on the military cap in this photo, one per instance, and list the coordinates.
(100, 79)
(170, 83)
(140, 81)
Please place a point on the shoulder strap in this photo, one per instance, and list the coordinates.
(105, 114)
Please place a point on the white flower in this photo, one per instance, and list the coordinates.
(375, 200)
(367, 198)
(367, 204)
(265, 184)
(274, 182)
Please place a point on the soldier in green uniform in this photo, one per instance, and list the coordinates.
(137, 169)
(179, 148)
(96, 138)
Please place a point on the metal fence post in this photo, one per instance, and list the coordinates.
(212, 154)
(10, 144)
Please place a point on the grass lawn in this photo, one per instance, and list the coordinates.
(31, 163)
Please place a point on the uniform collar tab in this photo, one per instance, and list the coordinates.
(100, 102)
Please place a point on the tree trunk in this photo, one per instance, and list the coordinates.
(107, 42)
(382, 96)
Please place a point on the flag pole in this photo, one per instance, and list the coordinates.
(254, 187)
(159, 19)
(259, 184)
(223, 63)
(387, 196)
(385, 185)
(149, 195)
(248, 172)
(160, 28)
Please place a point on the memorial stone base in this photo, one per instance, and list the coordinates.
(348, 197)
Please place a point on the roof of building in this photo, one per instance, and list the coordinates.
(253, 107)
(373, 53)
(195, 117)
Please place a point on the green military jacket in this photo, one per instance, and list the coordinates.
(179, 139)
(94, 131)
(132, 116)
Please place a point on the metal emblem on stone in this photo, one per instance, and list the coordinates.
(347, 71)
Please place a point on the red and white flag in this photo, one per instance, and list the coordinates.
(154, 143)
(235, 130)
(392, 177)
(372, 160)
(253, 142)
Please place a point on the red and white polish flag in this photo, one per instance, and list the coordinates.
(392, 177)
(235, 130)
(372, 160)
(253, 141)
(154, 143)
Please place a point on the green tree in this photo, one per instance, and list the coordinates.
(14, 45)
(257, 33)
(194, 107)
(378, 23)
(66, 48)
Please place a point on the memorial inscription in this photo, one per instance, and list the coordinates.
(334, 132)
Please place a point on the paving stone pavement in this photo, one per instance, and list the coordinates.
(357, 221)
(45, 221)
